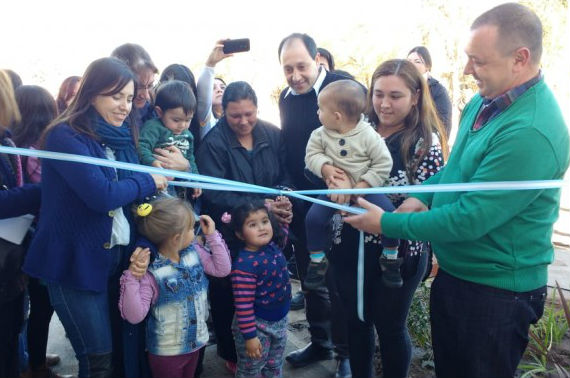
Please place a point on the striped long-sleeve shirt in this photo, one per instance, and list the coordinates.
(261, 287)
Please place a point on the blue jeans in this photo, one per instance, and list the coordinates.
(318, 220)
(478, 330)
(85, 317)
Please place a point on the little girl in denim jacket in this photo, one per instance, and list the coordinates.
(173, 287)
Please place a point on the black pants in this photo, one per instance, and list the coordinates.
(11, 322)
(478, 330)
(116, 321)
(41, 312)
(385, 309)
(222, 308)
(323, 310)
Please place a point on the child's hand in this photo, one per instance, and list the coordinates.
(197, 193)
(340, 183)
(139, 262)
(253, 348)
(207, 224)
(330, 172)
(359, 185)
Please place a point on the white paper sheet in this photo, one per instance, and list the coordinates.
(14, 229)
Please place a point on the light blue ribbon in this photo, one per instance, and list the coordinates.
(459, 187)
(224, 184)
(360, 278)
(214, 183)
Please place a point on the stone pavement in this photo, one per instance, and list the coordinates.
(298, 335)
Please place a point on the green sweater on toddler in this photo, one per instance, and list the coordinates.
(155, 135)
(498, 238)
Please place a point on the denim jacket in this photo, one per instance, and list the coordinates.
(177, 321)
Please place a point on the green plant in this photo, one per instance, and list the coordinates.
(564, 304)
(545, 334)
(419, 322)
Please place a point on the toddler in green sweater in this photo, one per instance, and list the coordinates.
(175, 105)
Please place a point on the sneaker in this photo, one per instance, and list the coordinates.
(391, 276)
(316, 272)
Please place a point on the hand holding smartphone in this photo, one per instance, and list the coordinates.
(236, 45)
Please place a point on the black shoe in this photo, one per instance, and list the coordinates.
(316, 272)
(298, 301)
(343, 368)
(309, 354)
(391, 276)
(52, 359)
(100, 365)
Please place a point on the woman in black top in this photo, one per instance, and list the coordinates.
(407, 121)
(241, 148)
(421, 58)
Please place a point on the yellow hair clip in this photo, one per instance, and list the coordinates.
(144, 209)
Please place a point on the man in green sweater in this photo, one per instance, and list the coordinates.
(493, 247)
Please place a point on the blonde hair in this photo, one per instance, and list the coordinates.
(168, 217)
(9, 112)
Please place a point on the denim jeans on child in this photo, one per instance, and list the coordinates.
(478, 330)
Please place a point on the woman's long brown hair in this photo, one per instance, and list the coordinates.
(421, 121)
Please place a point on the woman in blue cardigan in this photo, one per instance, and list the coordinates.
(83, 226)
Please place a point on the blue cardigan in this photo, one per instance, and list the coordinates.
(71, 245)
(19, 201)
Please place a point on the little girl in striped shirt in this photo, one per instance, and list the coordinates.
(262, 292)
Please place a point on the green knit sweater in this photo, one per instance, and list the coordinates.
(496, 238)
(155, 135)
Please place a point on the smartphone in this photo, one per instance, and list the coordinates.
(236, 45)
